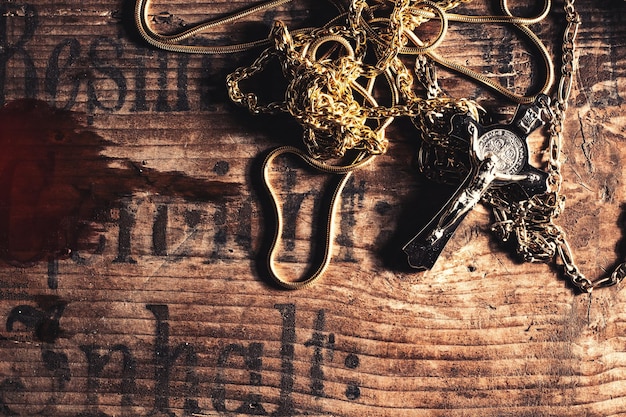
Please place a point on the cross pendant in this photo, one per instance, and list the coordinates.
(498, 156)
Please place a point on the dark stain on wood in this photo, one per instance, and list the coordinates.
(55, 179)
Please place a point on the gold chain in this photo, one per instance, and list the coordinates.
(558, 109)
(345, 172)
(172, 42)
(532, 222)
(331, 73)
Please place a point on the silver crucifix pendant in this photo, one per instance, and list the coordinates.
(498, 156)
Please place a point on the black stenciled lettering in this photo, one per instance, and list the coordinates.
(352, 198)
(53, 273)
(44, 323)
(58, 365)
(96, 363)
(193, 231)
(164, 359)
(210, 87)
(162, 99)
(140, 104)
(56, 70)
(253, 363)
(243, 236)
(506, 67)
(105, 66)
(287, 339)
(220, 237)
(182, 101)
(291, 208)
(9, 387)
(12, 390)
(162, 103)
(78, 258)
(319, 343)
(353, 392)
(10, 49)
(159, 231)
(45, 326)
(126, 223)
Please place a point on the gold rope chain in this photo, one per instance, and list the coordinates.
(331, 94)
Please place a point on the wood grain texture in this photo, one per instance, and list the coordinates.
(135, 159)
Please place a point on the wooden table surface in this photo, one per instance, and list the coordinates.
(132, 226)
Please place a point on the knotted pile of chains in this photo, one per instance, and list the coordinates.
(336, 72)
(331, 72)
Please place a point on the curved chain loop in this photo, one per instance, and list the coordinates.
(328, 234)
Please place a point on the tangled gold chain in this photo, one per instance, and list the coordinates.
(331, 73)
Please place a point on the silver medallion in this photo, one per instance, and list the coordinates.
(507, 148)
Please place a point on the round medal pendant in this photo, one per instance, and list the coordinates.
(510, 151)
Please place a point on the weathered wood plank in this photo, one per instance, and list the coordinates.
(136, 160)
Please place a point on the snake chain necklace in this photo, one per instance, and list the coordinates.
(335, 74)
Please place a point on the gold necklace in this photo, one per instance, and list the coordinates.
(331, 94)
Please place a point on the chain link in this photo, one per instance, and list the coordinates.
(561, 101)
(426, 73)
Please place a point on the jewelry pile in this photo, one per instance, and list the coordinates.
(336, 75)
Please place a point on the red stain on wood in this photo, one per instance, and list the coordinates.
(54, 179)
